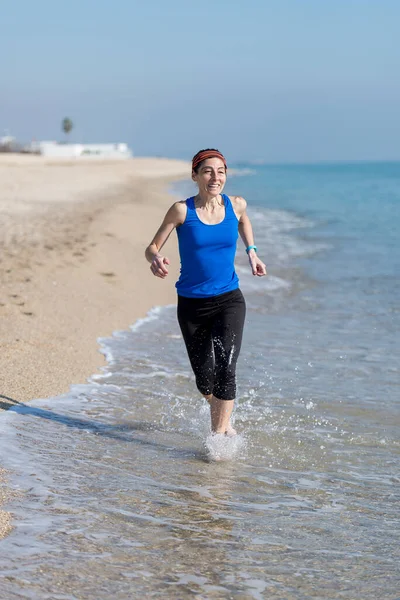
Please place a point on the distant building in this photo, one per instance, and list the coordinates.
(8, 143)
(56, 150)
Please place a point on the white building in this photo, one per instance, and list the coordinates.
(56, 150)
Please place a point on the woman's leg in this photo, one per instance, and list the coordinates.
(218, 415)
(196, 331)
(227, 339)
(221, 411)
(212, 331)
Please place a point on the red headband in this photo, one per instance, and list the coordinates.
(207, 154)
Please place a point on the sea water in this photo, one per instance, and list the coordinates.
(121, 489)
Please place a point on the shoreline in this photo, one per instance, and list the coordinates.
(72, 267)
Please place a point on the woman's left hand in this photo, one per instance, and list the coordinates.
(257, 266)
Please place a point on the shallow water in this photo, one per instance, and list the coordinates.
(121, 492)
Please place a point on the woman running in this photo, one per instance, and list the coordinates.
(211, 307)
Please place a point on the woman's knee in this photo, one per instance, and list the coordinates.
(225, 383)
(225, 390)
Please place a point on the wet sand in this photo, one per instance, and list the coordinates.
(72, 265)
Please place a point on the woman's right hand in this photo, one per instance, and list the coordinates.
(158, 266)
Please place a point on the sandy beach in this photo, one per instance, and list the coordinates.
(72, 266)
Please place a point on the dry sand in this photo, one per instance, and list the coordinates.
(72, 266)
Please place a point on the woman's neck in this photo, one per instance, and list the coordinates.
(208, 202)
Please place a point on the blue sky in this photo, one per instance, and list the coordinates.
(272, 80)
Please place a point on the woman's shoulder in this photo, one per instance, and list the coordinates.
(179, 211)
(239, 204)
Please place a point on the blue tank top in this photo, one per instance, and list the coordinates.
(207, 254)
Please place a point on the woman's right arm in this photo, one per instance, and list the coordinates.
(175, 216)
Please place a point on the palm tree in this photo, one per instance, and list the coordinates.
(67, 125)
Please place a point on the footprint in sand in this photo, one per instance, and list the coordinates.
(17, 301)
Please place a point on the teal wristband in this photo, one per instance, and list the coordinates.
(251, 248)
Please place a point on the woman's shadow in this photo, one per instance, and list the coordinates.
(121, 431)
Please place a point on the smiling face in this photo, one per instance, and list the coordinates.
(210, 177)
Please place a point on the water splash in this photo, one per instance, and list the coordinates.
(225, 447)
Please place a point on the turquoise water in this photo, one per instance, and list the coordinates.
(120, 492)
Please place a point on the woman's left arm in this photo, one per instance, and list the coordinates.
(246, 233)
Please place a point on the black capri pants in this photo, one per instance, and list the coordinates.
(212, 329)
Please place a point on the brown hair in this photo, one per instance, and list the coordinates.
(202, 155)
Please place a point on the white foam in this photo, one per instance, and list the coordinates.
(104, 349)
(104, 342)
(98, 376)
(279, 220)
(152, 315)
(270, 283)
(241, 172)
(224, 447)
(158, 373)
